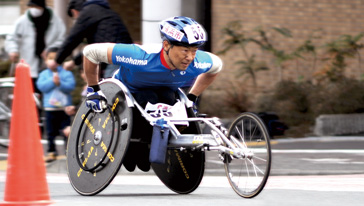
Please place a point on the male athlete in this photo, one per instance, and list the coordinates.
(154, 73)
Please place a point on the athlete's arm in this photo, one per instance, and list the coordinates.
(204, 80)
(216, 64)
(94, 54)
(201, 83)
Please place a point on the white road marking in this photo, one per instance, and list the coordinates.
(332, 161)
(354, 183)
(319, 151)
(348, 183)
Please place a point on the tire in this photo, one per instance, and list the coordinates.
(248, 175)
(98, 142)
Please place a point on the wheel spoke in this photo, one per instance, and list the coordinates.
(261, 159)
(241, 133)
(256, 167)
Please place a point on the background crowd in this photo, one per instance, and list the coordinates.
(39, 38)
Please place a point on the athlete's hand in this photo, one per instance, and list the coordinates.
(193, 98)
(96, 100)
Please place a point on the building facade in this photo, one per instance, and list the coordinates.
(329, 18)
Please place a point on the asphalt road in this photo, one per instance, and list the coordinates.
(305, 171)
(291, 156)
(138, 190)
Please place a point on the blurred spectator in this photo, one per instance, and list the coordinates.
(96, 23)
(56, 86)
(35, 31)
(71, 110)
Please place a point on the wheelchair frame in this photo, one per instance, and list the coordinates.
(245, 144)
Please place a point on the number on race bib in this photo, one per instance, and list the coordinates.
(195, 33)
(168, 112)
(158, 114)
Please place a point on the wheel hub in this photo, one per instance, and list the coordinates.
(97, 137)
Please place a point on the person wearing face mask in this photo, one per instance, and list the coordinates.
(38, 29)
(56, 86)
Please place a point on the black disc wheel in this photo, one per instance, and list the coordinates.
(98, 142)
(183, 170)
(248, 172)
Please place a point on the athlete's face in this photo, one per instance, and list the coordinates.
(180, 57)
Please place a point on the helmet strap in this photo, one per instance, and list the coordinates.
(167, 52)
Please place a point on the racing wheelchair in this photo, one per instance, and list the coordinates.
(99, 141)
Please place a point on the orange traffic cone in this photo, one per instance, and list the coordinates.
(26, 182)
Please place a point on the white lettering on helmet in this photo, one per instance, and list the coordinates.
(172, 32)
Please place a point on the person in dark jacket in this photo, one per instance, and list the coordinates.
(97, 23)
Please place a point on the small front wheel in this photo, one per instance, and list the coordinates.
(248, 167)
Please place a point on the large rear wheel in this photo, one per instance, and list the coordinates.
(98, 142)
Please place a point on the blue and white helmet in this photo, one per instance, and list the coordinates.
(183, 31)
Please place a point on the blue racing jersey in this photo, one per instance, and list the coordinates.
(144, 67)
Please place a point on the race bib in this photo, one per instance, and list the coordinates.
(168, 112)
(195, 33)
